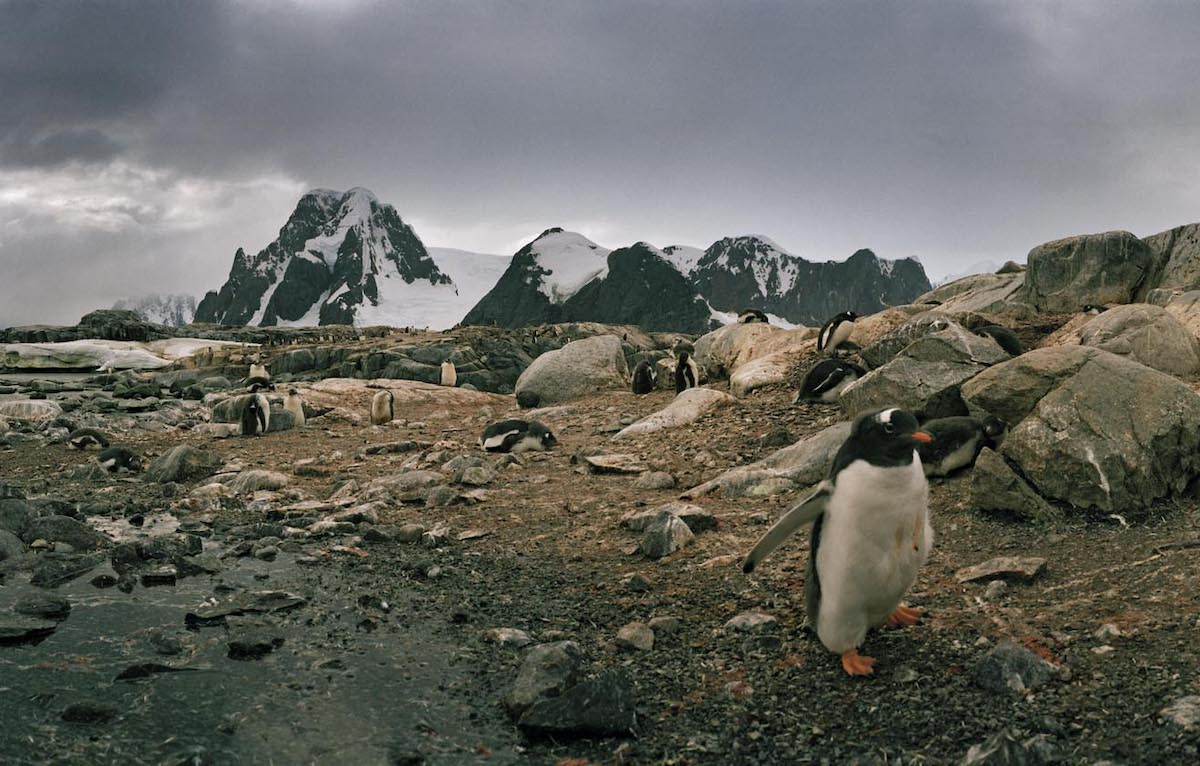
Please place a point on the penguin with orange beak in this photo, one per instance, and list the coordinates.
(870, 537)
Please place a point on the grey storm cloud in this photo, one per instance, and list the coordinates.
(142, 142)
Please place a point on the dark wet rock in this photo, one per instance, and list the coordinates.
(165, 644)
(89, 712)
(17, 629)
(11, 492)
(164, 575)
(12, 547)
(44, 604)
(182, 463)
(1007, 748)
(146, 670)
(15, 515)
(265, 552)
(253, 645)
(638, 583)
(54, 569)
(664, 535)
(1013, 669)
(548, 671)
(602, 707)
(655, 480)
(105, 579)
(169, 547)
(259, 602)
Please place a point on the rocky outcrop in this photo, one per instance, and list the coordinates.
(1177, 258)
(980, 293)
(804, 463)
(687, 407)
(887, 346)
(578, 369)
(1065, 274)
(1091, 429)
(1147, 334)
(165, 310)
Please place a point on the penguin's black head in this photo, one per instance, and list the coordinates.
(135, 462)
(887, 437)
(1092, 308)
(539, 430)
(850, 316)
(994, 426)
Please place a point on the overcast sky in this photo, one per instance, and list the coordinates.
(141, 143)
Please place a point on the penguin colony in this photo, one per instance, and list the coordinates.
(645, 377)
(870, 537)
(517, 436)
(836, 331)
(449, 374)
(256, 415)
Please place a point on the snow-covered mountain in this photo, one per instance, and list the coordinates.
(345, 258)
(169, 310)
(979, 267)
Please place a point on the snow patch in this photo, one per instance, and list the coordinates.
(571, 260)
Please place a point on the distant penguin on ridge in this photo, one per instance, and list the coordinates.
(517, 436)
(88, 439)
(383, 407)
(449, 374)
(644, 378)
(1006, 338)
(1094, 310)
(256, 415)
(294, 404)
(119, 460)
(836, 331)
(686, 373)
(826, 381)
(751, 316)
(957, 442)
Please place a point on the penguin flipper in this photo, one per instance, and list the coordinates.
(802, 514)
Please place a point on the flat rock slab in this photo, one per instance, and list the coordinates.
(16, 629)
(1003, 568)
(602, 707)
(621, 464)
(248, 603)
(687, 407)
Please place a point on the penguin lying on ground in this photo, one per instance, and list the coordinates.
(957, 441)
(88, 438)
(259, 384)
(644, 378)
(826, 381)
(119, 460)
(383, 408)
(293, 404)
(836, 331)
(870, 535)
(687, 374)
(1007, 339)
(749, 316)
(449, 374)
(1094, 310)
(256, 415)
(517, 436)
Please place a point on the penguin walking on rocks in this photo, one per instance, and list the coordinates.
(870, 537)
(957, 442)
(119, 460)
(383, 407)
(88, 439)
(256, 415)
(687, 374)
(836, 331)
(751, 316)
(826, 381)
(1006, 338)
(294, 404)
(645, 377)
(449, 374)
(517, 436)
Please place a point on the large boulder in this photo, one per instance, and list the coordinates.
(887, 346)
(578, 369)
(1177, 254)
(1092, 429)
(982, 293)
(925, 377)
(1147, 334)
(688, 407)
(33, 410)
(182, 463)
(726, 349)
(1184, 306)
(1093, 268)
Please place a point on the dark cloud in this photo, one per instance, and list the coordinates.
(959, 132)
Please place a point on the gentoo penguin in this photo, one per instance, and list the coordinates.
(1006, 338)
(644, 378)
(119, 460)
(258, 371)
(293, 404)
(383, 407)
(836, 331)
(256, 415)
(1094, 310)
(88, 438)
(686, 373)
(826, 381)
(750, 316)
(449, 374)
(870, 535)
(257, 384)
(957, 441)
(517, 436)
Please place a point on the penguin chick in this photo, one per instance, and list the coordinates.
(383, 408)
(645, 377)
(826, 381)
(750, 316)
(88, 438)
(449, 374)
(256, 415)
(686, 373)
(957, 442)
(870, 537)
(1006, 338)
(517, 436)
(119, 460)
(294, 404)
(836, 331)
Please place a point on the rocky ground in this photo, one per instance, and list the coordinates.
(319, 614)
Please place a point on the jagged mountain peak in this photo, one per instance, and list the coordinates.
(561, 262)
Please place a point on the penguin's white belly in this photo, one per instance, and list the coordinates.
(839, 335)
(959, 458)
(874, 539)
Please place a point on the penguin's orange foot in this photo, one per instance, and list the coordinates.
(857, 665)
(904, 615)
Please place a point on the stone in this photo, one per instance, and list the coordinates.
(410, 533)
(751, 622)
(477, 476)
(12, 547)
(168, 574)
(664, 535)
(1024, 568)
(507, 637)
(981, 293)
(1063, 275)
(886, 348)
(88, 712)
(16, 514)
(995, 486)
(803, 464)
(636, 635)
(618, 464)
(1147, 334)
(686, 408)
(547, 671)
(580, 368)
(182, 463)
(994, 590)
(664, 625)
(403, 487)
(44, 604)
(253, 645)
(1183, 712)
(602, 707)
(257, 602)
(22, 630)
(255, 480)
(1006, 748)
(54, 569)
(39, 411)
(64, 529)
(1010, 668)
(1177, 255)
(655, 480)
